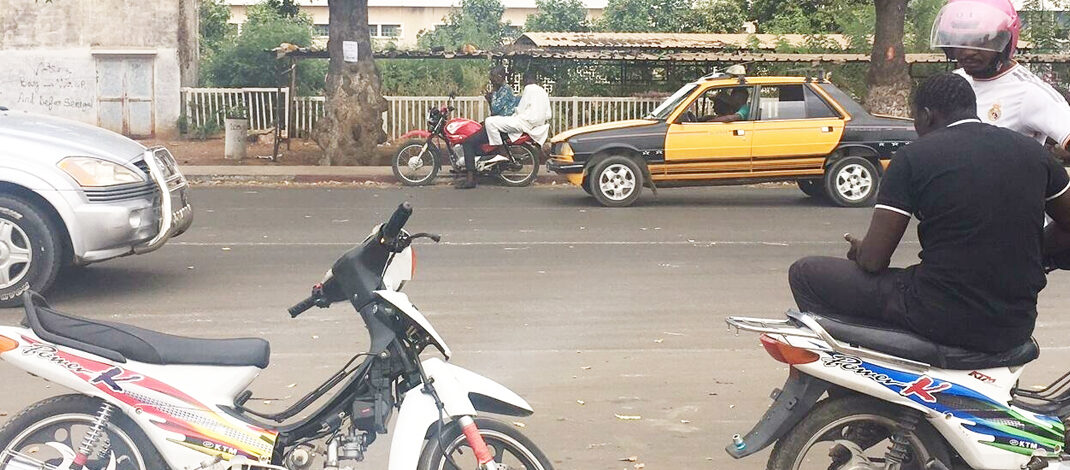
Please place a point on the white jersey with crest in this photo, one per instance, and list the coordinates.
(1020, 101)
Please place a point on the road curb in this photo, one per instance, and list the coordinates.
(236, 179)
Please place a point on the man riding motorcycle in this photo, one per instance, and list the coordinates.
(980, 194)
(982, 37)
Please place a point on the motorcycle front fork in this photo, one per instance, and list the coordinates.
(478, 445)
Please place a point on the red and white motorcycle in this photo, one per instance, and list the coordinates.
(420, 158)
(146, 400)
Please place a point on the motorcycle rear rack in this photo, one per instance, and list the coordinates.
(804, 325)
(1053, 399)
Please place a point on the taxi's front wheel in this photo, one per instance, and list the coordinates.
(616, 181)
(852, 182)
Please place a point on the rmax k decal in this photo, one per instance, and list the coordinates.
(111, 378)
(924, 389)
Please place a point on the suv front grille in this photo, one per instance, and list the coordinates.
(120, 193)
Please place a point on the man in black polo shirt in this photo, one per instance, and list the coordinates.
(980, 193)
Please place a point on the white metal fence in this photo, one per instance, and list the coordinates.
(403, 114)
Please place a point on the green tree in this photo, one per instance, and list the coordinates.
(247, 61)
(1043, 27)
(644, 16)
(213, 26)
(715, 16)
(558, 16)
(285, 8)
(477, 23)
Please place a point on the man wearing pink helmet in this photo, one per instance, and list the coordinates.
(982, 37)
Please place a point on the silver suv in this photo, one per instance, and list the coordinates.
(71, 193)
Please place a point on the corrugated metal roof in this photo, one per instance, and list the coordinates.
(670, 40)
(733, 57)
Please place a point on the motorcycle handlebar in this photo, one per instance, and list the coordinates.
(302, 306)
(397, 221)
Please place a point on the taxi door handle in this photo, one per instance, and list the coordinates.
(739, 132)
(826, 129)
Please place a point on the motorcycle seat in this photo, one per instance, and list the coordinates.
(898, 342)
(120, 342)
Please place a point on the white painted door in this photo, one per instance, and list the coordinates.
(125, 95)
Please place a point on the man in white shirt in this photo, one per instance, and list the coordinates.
(982, 36)
(532, 117)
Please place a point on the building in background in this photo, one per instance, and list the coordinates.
(118, 64)
(400, 21)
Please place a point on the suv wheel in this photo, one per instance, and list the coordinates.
(616, 181)
(29, 250)
(852, 182)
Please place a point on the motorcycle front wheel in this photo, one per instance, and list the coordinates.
(824, 439)
(415, 166)
(48, 433)
(508, 445)
(524, 168)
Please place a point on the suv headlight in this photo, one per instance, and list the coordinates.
(94, 172)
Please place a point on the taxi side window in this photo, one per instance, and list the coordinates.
(782, 102)
(793, 102)
(817, 108)
(718, 102)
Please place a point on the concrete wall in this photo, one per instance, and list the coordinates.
(50, 54)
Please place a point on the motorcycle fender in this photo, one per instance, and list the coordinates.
(462, 393)
(790, 405)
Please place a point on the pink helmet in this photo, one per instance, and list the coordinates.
(990, 25)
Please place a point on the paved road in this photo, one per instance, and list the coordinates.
(540, 289)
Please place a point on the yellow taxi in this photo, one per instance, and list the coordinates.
(732, 129)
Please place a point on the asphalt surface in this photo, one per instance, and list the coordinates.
(587, 312)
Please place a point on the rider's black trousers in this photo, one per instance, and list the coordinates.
(838, 287)
(471, 147)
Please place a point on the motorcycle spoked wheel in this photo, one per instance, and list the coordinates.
(863, 420)
(51, 431)
(523, 170)
(509, 446)
(414, 166)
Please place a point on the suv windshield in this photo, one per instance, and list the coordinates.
(666, 107)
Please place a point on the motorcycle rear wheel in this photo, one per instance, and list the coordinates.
(414, 166)
(508, 444)
(51, 431)
(522, 173)
(860, 419)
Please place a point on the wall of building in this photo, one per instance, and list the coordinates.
(52, 55)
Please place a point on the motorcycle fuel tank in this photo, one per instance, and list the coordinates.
(458, 129)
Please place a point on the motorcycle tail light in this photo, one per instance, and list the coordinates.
(7, 344)
(787, 353)
(412, 274)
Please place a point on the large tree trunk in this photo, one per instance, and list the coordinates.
(352, 126)
(888, 81)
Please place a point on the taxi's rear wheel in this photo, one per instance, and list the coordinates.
(852, 182)
(616, 181)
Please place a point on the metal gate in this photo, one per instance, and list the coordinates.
(125, 95)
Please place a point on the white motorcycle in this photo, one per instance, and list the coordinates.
(146, 400)
(894, 400)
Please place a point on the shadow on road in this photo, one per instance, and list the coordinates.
(685, 197)
(90, 283)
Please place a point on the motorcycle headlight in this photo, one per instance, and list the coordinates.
(94, 172)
